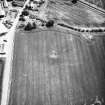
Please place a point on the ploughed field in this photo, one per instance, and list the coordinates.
(103, 2)
(52, 67)
(96, 2)
(77, 14)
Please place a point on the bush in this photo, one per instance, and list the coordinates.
(43, 24)
(83, 30)
(75, 29)
(21, 26)
(79, 30)
(28, 27)
(32, 16)
(28, 7)
(96, 30)
(22, 19)
(100, 30)
(9, 0)
(25, 13)
(14, 4)
(92, 30)
(50, 23)
(87, 30)
(34, 25)
(21, 15)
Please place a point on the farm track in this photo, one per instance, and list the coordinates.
(76, 75)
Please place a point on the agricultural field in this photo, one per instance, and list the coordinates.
(2, 63)
(103, 2)
(79, 14)
(99, 3)
(54, 67)
(55, 61)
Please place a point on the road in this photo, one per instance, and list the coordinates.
(75, 76)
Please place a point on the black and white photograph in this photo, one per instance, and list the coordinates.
(52, 52)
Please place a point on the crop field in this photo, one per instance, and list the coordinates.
(78, 14)
(55, 66)
(2, 63)
(74, 75)
(103, 2)
(98, 3)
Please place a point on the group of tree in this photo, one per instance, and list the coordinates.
(80, 29)
(2, 16)
(31, 26)
(92, 30)
(74, 1)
